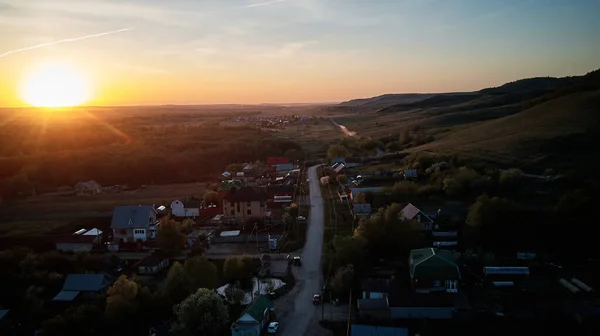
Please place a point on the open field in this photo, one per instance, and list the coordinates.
(29, 228)
(54, 206)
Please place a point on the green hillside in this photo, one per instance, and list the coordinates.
(559, 129)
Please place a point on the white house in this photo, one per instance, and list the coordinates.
(185, 208)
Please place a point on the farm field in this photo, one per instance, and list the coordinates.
(52, 207)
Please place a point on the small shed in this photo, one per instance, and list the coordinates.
(153, 264)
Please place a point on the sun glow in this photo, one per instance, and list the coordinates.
(55, 85)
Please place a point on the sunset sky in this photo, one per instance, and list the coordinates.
(255, 51)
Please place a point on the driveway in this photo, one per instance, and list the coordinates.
(304, 316)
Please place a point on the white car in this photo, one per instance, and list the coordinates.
(273, 327)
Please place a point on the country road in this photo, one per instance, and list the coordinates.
(309, 277)
(353, 134)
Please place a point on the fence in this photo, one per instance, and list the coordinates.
(421, 313)
(242, 238)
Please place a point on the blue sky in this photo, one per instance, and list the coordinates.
(212, 51)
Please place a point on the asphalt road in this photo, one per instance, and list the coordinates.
(309, 277)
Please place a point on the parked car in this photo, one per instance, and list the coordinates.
(317, 299)
(273, 327)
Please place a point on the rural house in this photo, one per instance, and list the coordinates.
(87, 188)
(133, 223)
(275, 160)
(433, 270)
(180, 208)
(244, 203)
(414, 215)
(72, 243)
(254, 319)
(153, 264)
(82, 285)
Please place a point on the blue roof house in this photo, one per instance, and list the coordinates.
(82, 285)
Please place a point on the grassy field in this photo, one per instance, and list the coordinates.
(52, 207)
(313, 138)
(29, 228)
(527, 134)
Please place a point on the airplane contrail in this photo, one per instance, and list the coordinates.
(266, 3)
(47, 44)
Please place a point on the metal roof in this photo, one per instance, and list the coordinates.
(230, 233)
(132, 216)
(410, 211)
(368, 330)
(66, 296)
(433, 263)
(85, 282)
(494, 270)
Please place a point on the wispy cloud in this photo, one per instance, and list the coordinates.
(289, 49)
(63, 41)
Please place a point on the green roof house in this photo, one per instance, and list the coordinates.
(433, 270)
(254, 319)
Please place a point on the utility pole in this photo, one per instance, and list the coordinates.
(349, 314)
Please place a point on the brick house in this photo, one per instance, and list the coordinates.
(245, 203)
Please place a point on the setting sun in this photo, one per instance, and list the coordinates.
(55, 85)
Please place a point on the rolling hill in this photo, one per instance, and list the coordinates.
(563, 128)
(534, 122)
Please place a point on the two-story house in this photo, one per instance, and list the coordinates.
(133, 223)
(245, 203)
(414, 215)
(433, 270)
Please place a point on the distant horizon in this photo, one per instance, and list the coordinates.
(150, 53)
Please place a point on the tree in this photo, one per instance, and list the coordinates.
(489, 220)
(247, 265)
(202, 313)
(121, 300)
(360, 198)
(386, 234)
(349, 250)
(342, 179)
(404, 138)
(294, 154)
(200, 273)
(336, 151)
(511, 179)
(169, 238)
(232, 270)
(405, 191)
(234, 167)
(343, 280)
(176, 284)
(210, 197)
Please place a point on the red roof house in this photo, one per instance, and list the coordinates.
(275, 160)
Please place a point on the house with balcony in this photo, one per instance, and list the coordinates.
(245, 203)
(133, 223)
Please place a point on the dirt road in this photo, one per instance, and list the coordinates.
(304, 317)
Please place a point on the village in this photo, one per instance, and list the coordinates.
(426, 277)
